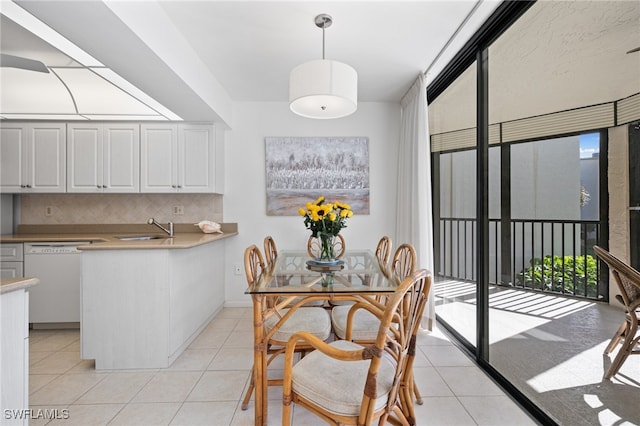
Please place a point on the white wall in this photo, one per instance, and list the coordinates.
(245, 199)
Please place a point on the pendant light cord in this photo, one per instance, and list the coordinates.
(323, 21)
(323, 42)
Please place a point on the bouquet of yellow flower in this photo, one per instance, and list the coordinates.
(325, 218)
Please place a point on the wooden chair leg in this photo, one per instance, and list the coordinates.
(616, 338)
(617, 362)
(416, 393)
(397, 419)
(625, 350)
(247, 397)
(270, 382)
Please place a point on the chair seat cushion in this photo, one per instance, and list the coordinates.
(338, 386)
(314, 320)
(365, 325)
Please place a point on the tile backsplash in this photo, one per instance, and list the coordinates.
(56, 209)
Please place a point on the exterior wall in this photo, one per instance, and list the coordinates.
(536, 170)
(545, 179)
(590, 179)
(618, 199)
(545, 184)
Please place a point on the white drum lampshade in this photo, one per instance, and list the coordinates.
(323, 89)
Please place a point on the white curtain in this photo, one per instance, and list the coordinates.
(414, 223)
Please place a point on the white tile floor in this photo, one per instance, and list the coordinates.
(205, 384)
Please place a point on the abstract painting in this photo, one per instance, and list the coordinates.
(300, 169)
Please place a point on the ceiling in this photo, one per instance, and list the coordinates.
(251, 47)
(198, 57)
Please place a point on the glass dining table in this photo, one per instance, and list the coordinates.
(294, 280)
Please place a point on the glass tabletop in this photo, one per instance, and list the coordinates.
(296, 273)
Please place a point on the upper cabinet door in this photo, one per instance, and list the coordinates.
(121, 158)
(104, 158)
(84, 151)
(12, 153)
(47, 159)
(196, 158)
(33, 157)
(177, 158)
(158, 163)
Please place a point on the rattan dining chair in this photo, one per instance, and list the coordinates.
(271, 255)
(349, 322)
(346, 383)
(314, 246)
(358, 325)
(404, 261)
(281, 324)
(628, 281)
(383, 252)
(270, 251)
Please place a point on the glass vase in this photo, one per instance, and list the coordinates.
(327, 280)
(326, 248)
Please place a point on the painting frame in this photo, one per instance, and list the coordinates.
(301, 169)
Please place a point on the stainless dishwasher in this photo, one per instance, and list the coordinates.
(56, 299)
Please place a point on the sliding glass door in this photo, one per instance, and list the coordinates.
(520, 127)
(455, 230)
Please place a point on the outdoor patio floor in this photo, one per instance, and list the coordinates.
(551, 348)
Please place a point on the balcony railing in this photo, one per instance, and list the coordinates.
(551, 256)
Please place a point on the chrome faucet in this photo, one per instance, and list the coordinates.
(169, 231)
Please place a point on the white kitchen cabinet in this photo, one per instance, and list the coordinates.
(11, 260)
(103, 157)
(142, 308)
(11, 270)
(177, 158)
(14, 357)
(32, 157)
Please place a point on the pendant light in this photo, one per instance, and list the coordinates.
(323, 88)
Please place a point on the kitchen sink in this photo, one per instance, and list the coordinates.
(141, 238)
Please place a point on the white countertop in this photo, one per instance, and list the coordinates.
(107, 237)
(13, 284)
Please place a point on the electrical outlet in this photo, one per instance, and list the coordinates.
(237, 269)
(178, 210)
(48, 211)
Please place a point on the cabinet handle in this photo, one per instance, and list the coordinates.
(98, 186)
(28, 186)
(179, 186)
(23, 186)
(104, 186)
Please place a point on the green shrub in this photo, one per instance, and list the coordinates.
(557, 272)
